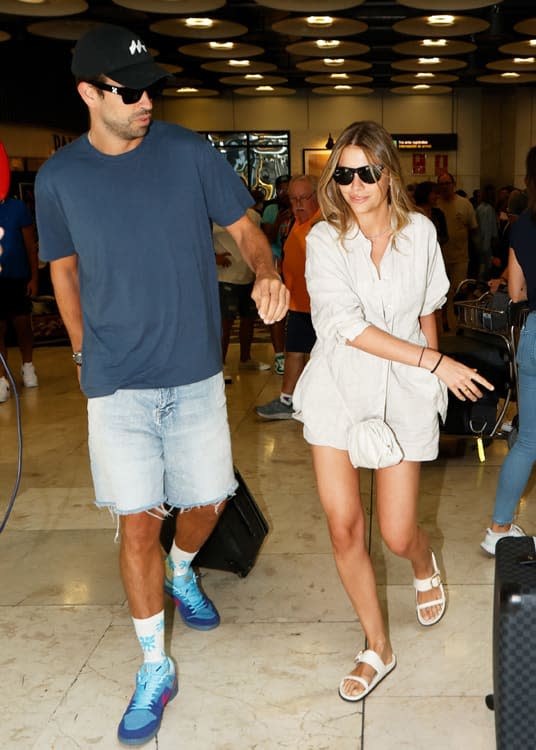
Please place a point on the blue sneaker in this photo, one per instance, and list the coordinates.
(156, 685)
(195, 608)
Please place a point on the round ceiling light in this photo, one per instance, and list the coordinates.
(305, 27)
(49, 8)
(444, 6)
(421, 89)
(325, 47)
(434, 47)
(331, 64)
(441, 25)
(342, 90)
(218, 50)
(180, 27)
(434, 64)
(310, 6)
(172, 6)
(264, 91)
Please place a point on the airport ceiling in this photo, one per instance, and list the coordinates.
(271, 48)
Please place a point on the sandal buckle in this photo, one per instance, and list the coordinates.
(435, 581)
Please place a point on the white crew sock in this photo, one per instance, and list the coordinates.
(286, 398)
(150, 632)
(181, 559)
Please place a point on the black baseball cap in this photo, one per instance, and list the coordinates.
(118, 53)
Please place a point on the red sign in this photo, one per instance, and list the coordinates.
(419, 163)
(441, 164)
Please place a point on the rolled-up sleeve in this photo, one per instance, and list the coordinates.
(336, 309)
(437, 283)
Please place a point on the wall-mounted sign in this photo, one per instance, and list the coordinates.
(59, 140)
(433, 142)
(441, 164)
(419, 163)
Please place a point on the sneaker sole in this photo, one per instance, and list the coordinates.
(147, 737)
(169, 591)
(488, 550)
(274, 416)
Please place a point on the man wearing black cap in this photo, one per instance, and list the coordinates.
(124, 217)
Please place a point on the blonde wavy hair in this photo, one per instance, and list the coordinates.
(379, 148)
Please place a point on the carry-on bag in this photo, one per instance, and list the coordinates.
(514, 643)
(237, 538)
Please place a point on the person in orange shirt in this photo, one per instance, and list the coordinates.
(300, 335)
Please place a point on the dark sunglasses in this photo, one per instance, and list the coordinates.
(130, 96)
(369, 174)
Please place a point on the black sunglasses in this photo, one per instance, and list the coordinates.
(369, 174)
(130, 96)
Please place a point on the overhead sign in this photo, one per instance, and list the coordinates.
(432, 142)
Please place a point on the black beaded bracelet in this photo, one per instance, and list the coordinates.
(437, 363)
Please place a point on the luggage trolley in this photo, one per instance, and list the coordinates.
(486, 338)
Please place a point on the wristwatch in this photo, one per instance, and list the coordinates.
(77, 358)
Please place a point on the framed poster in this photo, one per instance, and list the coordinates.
(419, 163)
(314, 160)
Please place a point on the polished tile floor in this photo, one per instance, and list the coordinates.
(267, 677)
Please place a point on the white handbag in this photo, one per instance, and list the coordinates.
(372, 445)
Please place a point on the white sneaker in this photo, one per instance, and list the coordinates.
(4, 389)
(492, 537)
(254, 364)
(29, 377)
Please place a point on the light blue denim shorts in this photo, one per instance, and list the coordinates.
(161, 445)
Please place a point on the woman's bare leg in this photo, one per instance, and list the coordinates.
(338, 487)
(397, 492)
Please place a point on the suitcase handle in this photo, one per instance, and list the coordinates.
(528, 560)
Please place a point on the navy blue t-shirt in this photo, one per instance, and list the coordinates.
(14, 217)
(523, 243)
(140, 224)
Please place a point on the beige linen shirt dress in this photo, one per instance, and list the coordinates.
(340, 383)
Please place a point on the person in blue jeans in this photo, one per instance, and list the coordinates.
(517, 466)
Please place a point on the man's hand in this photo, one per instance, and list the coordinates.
(271, 297)
(32, 288)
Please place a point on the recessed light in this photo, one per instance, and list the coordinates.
(420, 86)
(429, 60)
(327, 43)
(532, 42)
(521, 60)
(425, 75)
(441, 20)
(221, 45)
(240, 63)
(264, 88)
(510, 75)
(319, 20)
(254, 76)
(199, 23)
(333, 61)
(338, 75)
(187, 90)
(434, 43)
(342, 87)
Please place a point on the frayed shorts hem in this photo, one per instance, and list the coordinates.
(182, 508)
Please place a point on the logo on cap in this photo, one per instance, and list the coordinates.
(137, 46)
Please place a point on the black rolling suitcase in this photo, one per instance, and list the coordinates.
(514, 644)
(237, 538)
